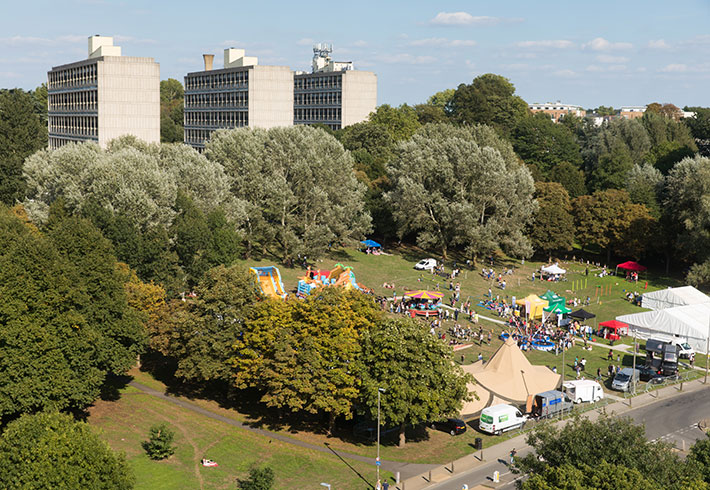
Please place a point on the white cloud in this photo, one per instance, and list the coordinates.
(464, 19)
(566, 73)
(360, 43)
(606, 68)
(675, 68)
(551, 43)
(658, 44)
(440, 41)
(605, 58)
(601, 44)
(118, 38)
(407, 59)
(306, 41)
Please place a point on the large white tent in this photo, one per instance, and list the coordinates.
(554, 269)
(671, 297)
(689, 323)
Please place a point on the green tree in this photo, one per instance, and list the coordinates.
(56, 345)
(417, 372)
(22, 132)
(700, 128)
(539, 141)
(605, 110)
(299, 186)
(436, 109)
(442, 98)
(581, 442)
(461, 186)
(700, 457)
(172, 97)
(51, 450)
(571, 178)
(490, 100)
(598, 476)
(553, 227)
(202, 334)
(612, 169)
(644, 184)
(301, 353)
(400, 122)
(259, 479)
(626, 137)
(160, 442)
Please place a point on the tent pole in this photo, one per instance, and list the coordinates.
(707, 353)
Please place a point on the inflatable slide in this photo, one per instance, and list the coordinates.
(269, 281)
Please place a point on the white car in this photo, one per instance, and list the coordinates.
(426, 265)
(685, 349)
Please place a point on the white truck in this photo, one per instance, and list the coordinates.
(583, 390)
(501, 418)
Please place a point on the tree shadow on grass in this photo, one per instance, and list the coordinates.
(113, 384)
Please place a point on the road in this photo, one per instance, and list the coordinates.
(673, 420)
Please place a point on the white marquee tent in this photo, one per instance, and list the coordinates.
(671, 297)
(688, 323)
(554, 269)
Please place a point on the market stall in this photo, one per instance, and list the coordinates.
(613, 329)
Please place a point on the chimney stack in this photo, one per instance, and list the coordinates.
(209, 58)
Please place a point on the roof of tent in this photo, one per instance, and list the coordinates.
(371, 243)
(613, 324)
(557, 308)
(668, 298)
(683, 321)
(583, 314)
(631, 266)
(554, 269)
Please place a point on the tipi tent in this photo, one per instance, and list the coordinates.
(668, 298)
(687, 323)
(508, 377)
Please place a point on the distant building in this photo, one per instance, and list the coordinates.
(103, 97)
(334, 93)
(632, 111)
(557, 110)
(242, 94)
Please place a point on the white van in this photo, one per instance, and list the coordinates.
(584, 390)
(501, 418)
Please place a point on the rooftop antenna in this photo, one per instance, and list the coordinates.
(321, 56)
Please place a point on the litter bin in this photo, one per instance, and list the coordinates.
(479, 444)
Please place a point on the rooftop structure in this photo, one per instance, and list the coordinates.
(103, 97)
(557, 110)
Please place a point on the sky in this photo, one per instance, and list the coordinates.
(592, 53)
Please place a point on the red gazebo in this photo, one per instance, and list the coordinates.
(631, 266)
(613, 329)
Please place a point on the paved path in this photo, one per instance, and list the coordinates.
(406, 470)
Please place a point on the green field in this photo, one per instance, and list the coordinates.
(125, 424)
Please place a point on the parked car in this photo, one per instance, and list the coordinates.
(426, 265)
(624, 379)
(685, 350)
(647, 373)
(452, 426)
(584, 390)
(501, 418)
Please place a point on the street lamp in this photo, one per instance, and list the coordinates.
(377, 462)
(327, 485)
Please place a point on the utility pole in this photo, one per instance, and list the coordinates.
(377, 463)
(707, 353)
(564, 344)
(633, 371)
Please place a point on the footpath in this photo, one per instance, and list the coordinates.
(500, 452)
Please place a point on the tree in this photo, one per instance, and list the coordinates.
(671, 141)
(51, 450)
(172, 96)
(259, 479)
(605, 110)
(63, 328)
(298, 183)
(553, 227)
(22, 132)
(581, 442)
(300, 354)
(436, 109)
(700, 128)
(490, 100)
(160, 442)
(400, 122)
(571, 178)
(461, 186)
(421, 382)
(618, 136)
(608, 219)
(442, 98)
(700, 457)
(202, 334)
(598, 476)
(539, 141)
(644, 184)
(612, 169)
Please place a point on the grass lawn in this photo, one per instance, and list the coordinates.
(124, 424)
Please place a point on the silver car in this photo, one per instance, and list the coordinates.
(624, 378)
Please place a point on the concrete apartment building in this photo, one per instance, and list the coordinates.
(103, 97)
(243, 93)
(334, 93)
(632, 111)
(557, 110)
(246, 94)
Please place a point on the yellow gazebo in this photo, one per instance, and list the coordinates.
(533, 305)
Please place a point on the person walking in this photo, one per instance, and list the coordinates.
(513, 452)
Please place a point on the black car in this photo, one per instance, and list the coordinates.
(647, 373)
(452, 426)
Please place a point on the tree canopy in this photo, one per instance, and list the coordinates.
(553, 227)
(461, 186)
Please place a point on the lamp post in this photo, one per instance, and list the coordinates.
(707, 354)
(633, 370)
(377, 463)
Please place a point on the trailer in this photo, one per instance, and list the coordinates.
(550, 403)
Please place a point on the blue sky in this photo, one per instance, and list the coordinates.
(622, 52)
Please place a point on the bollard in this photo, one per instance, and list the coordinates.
(397, 478)
(496, 477)
(429, 476)
(452, 467)
(683, 445)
